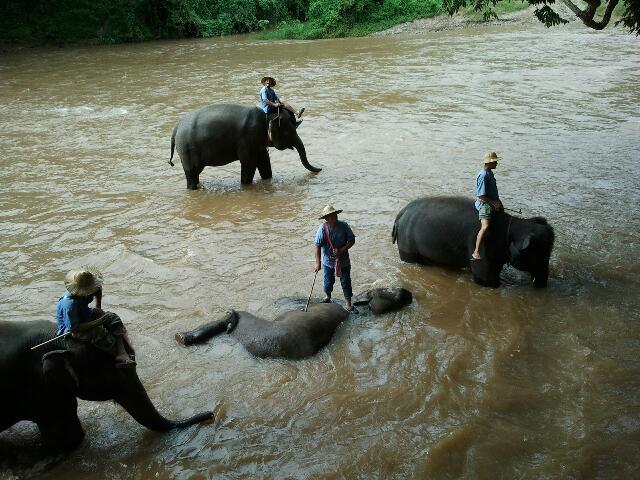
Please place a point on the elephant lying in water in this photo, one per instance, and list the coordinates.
(220, 134)
(442, 231)
(294, 334)
(383, 300)
(42, 385)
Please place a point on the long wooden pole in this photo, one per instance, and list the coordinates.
(63, 335)
(311, 292)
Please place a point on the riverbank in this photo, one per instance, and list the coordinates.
(459, 21)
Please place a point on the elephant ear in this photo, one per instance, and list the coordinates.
(522, 244)
(57, 367)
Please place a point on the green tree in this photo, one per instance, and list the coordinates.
(546, 14)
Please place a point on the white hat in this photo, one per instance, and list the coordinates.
(328, 210)
(83, 282)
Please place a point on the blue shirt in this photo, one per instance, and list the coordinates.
(72, 311)
(486, 185)
(267, 93)
(339, 236)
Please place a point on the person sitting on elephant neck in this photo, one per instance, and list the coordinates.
(487, 198)
(269, 102)
(335, 238)
(103, 330)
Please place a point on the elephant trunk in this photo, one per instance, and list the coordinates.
(136, 402)
(299, 146)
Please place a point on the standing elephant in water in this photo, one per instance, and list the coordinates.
(442, 231)
(43, 385)
(220, 134)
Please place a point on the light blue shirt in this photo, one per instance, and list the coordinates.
(267, 93)
(486, 185)
(339, 236)
(71, 311)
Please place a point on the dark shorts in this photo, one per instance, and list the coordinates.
(485, 211)
(106, 335)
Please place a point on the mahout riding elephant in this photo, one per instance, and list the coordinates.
(442, 231)
(294, 334)
(220, 134)
(43, 385)
(383, 300)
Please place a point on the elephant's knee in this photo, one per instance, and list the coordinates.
(65, 434)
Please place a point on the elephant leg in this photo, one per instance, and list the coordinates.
(247, 172)
(193, 177)
(208, 330)
(264, 165)
(64, 432)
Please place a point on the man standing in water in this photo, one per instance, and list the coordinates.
(487, 198)
(335, 238)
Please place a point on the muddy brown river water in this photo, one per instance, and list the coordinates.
(467, 382)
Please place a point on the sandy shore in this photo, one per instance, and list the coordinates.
(453, 22)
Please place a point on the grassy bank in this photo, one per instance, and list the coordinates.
(38, 22)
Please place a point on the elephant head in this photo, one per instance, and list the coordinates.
(284, 135)
(383, 300)
(530, 247)
(87, 373)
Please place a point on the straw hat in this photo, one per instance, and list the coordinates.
(83, 282)
(264, 79)
(490, 157)
(328, 210)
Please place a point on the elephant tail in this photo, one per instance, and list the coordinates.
(173, 144)
(394, 231)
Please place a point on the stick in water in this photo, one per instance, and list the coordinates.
(63, 335)
(311, 292)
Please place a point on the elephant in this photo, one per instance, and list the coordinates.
(383, 300)
(220, 134)
(294, 334)
(442, 231)
(42, 385)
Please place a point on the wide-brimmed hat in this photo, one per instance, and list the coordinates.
(328, 210)
(264, 79)
(490, 157)
(83, 282)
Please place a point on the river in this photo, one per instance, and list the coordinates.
(467, 382)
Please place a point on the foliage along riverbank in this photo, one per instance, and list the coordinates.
(39, 22)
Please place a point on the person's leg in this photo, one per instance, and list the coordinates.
(114, 325)
(291, 109)
(345, 281)
(484, 226)
(122, 356)
(329, 280)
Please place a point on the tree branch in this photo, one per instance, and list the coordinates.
(587, 15)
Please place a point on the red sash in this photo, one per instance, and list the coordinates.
(337, 266)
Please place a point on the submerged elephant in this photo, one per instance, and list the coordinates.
(383, 300)
(43, 385)
(442, 231)
(293, 334)
(220, 134)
